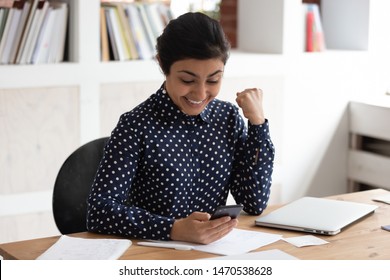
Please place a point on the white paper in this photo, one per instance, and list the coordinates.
(73, 248)
(274, 254)
(238, 241)
(383, 198)
(305, 240)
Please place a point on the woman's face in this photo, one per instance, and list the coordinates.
(193, 83)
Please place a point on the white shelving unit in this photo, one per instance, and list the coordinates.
(47, 111)
(369, 152)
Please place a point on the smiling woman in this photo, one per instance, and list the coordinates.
(174, 158)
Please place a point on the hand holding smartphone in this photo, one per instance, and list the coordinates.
(229, 210)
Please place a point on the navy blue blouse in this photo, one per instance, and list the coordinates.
(161, 164)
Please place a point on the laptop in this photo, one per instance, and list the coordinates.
(316, 215)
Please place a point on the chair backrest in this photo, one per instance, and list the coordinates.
(73, 184)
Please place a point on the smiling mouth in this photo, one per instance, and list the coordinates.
(194, 101)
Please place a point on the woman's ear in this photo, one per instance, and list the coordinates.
(159, 63)
(158, 59)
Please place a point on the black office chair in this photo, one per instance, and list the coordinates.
(73, 184)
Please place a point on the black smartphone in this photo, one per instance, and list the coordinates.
(229, 210)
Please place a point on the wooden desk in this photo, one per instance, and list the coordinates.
(363, 240)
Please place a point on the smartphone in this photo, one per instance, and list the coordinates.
(229, 210)
(386, 227)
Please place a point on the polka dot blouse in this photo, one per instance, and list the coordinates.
(160, 165)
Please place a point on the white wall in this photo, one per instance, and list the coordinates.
(306, 98)
(315, 120)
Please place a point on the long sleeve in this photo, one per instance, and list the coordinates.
(253, 166)
(110, 210)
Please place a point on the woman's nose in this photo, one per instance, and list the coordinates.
(201, 92)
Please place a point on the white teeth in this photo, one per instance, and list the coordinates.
(195, 102)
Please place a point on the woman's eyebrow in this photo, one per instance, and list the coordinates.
(193, 74)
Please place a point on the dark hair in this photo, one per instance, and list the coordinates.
(191, 35)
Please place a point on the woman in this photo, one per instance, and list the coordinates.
(174, 158)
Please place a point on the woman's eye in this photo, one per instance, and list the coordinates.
(213, 81)
(187, 81)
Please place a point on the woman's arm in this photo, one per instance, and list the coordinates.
(253, 166)
(109, 209)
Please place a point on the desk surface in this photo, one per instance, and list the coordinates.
(362, 240)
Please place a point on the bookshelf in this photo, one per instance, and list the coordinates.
(33, 31)
(48, 110)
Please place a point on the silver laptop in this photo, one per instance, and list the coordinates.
(316, 215)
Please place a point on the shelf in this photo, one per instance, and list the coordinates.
(22, 76)
(365, 120)
(240, 64)
(376, 146)
(369, 168)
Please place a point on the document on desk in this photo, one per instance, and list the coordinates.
(274, 254)
(305, 240)
(383, 198)
(238, 241)
(74, 248)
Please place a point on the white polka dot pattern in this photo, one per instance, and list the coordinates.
(161, 164)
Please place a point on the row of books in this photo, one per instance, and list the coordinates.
(314, 34)
(32, 31)
(129, 31)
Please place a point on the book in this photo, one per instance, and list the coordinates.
(104, 44)
(10, 31)
(41, 51)
(3, 20)
(32, 37)
(26, 31)
(127, 33)
(6, 31)
(117, 34)
(319, 35)
(142, 44)
(19, 31)
(63, 28)
(146, 25)
(155, 17)
(111, 36)
(314, 39)
(310, 31)
(57, 40)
